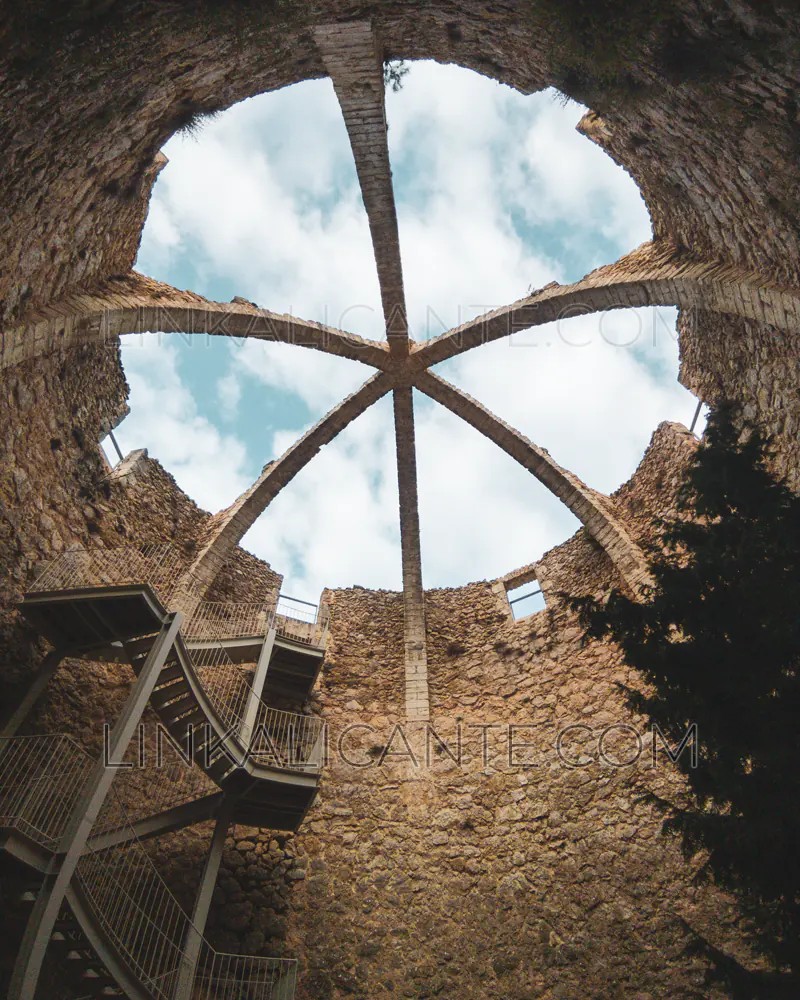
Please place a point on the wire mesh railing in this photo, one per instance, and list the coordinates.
(139, 916)
(226, 619)
(293, 607)
(236, 977)
(288, 740)
(159, 778)
(160, 566)
(224, 684)
(302, 621)
(40, 781)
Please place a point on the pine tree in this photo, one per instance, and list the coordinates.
(717, 638)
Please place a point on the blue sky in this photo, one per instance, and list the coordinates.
(497, 194)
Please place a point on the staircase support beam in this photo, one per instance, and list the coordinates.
(44, 675)
(73, 842)
(259, 678)
(194, 936)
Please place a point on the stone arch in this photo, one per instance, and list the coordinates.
(233, 523)
(137, 304)
(591, 508)
(137, 89)
(655, 274)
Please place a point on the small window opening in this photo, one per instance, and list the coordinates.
(526, 600)
(111, 450)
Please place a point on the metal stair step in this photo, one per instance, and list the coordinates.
(99, 976)
(163, 695)
(170, 673)
(137, 662)
(175, 709)
(66, 926)
(177, 729)
(219, 768)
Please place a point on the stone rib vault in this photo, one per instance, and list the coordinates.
(657, 273)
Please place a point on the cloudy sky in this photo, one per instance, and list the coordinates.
(497, 194)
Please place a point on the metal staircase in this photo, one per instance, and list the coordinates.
(119, 930)
(101, 905)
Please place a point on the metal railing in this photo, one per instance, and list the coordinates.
(156, 787)
(161, 567)
(40, 781)
(223, 682)
(158, 565)
(288, 740)
(308, 625)
(139, 916)
(234, 977)
(287, 606)
(222, 620)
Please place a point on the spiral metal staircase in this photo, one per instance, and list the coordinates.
(78, 826)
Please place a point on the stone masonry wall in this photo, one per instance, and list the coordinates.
(707, 126)
(52, 474)
(57, 491)
(531, 880)
(495, 879)
(728, 358)
(542, 882)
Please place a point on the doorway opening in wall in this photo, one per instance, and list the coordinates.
(526, 600)
(497, 194)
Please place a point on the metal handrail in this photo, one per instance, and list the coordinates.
(222, 620)
(39, 785)
(139, 916)
(288, 740)
(160, 566)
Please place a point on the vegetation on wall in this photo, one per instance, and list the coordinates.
(611, 52)
(393, 74)
(718, 642)
(38, 32)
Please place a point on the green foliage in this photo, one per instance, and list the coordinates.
(393, 74)
(612, 52)
(718, 640)
(191, 119)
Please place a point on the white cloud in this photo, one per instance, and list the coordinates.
(229, 394)
(207, 464)
(319, 380)
(267, 199)
(575, 179)
(337, 521)
(481, 514)
(572, 390)
(496, 193)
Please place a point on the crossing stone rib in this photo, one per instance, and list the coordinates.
(591, 508)
(655, 274)
(353, 56)
(416, 657)
(137, 304)
(233, 523)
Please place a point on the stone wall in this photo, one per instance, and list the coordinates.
(545, 881)
(57, 491)
(534, 879)
(508, 880)
(53, 478)
(728, 358)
